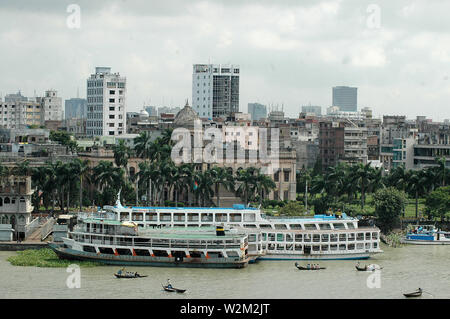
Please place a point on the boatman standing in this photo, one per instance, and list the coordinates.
(169, 285)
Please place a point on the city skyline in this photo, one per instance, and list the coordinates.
(289, 54)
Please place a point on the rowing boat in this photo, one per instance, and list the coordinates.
(172, 289)
(306, 268)
(417, 293)
(130, 275)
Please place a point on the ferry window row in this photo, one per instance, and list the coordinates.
(319, 237)
(318, 248)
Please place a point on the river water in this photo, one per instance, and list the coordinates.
(404, 269)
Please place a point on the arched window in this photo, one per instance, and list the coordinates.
(132, 171)
(7, 200)
(4, 219)
(22, 199)
(1, 201)
(21, 219)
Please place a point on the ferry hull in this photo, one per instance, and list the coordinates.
(424, 242)
(316, 257)
(70, 254)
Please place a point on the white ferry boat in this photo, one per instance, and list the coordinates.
(314, 238)
(427, 235)
(124, 243)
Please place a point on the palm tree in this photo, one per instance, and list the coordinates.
(81, 168)
(106, 175)
(362, 175)
(121, 154)
(247, 180)
(221, 176)
(143, 145)
(264, 184)
(22, 169)
(441, 170)
(204, 189)
(416, 185)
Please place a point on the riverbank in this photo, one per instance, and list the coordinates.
(44, 257)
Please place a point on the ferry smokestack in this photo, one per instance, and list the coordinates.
(220, 231)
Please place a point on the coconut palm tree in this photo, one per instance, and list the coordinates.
(362, 175)
(264, 184)
(221, 176)
(246, 187)
(441, 171)
(143, 145)
(416, 185)
(121, 155)
(204, 189)
(81, 168)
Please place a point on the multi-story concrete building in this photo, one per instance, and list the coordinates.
(257, 111)
(403, 152)
(215, 90)
(433, 141)
(346, 98)
(106, 103)
(393, 127)
(75, 108)
(342, 141)
(51, 106)
(15, 207)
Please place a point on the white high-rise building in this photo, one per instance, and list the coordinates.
(106, 103)
(215, 90)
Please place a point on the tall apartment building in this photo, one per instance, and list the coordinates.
(257, 111)
(19, 111)
(342, 141)
(215, 90)
(51, 106)
(393, 127)
(75, 108)
(346, 98)
(106, 103)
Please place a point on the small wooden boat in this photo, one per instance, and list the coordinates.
(306, 268)
(417, 293)
(368, 268)
(361, 268)
(172, 289)
(129, 275)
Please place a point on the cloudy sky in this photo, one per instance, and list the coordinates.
(290, 52)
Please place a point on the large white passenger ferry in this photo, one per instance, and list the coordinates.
(313, 238)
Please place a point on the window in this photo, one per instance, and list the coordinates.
(286, 176)
(111, 117)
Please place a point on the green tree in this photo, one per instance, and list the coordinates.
(292, 208)
(389, 203)
(438, 202)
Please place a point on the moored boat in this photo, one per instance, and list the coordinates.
(116, 243)
(321, 237)
(427, 235)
